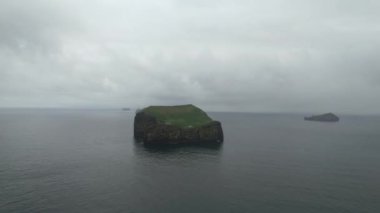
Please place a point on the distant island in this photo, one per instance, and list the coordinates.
(126, 109)
(176, 124)
(327, 117)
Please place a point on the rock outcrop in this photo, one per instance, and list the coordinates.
(328, 117)
(176, 124)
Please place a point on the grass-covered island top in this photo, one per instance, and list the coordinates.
(181, 115)
(175, 125)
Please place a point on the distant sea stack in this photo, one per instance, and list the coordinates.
(328, 117)
(176, 124)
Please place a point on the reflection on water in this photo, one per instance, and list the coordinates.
(172, 148)
(177, 151)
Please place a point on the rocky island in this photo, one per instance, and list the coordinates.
(327, 117)
(176, 124)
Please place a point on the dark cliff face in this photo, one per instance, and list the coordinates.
(149, 130)
(328, 117)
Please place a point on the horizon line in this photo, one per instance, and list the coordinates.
(133, 109)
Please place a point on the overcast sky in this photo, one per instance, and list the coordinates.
(238, 55)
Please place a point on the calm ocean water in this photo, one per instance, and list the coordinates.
(87, 161)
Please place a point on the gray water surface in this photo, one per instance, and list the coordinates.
(87, 161)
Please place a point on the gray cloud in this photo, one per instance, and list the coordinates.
(272, 56)
(32, 25)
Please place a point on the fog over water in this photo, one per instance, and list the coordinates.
(256, 56)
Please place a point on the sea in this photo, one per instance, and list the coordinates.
(71, 160)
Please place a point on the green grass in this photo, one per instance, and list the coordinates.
(182, 115)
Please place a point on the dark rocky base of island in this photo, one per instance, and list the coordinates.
(185, 124)
(328, 117)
